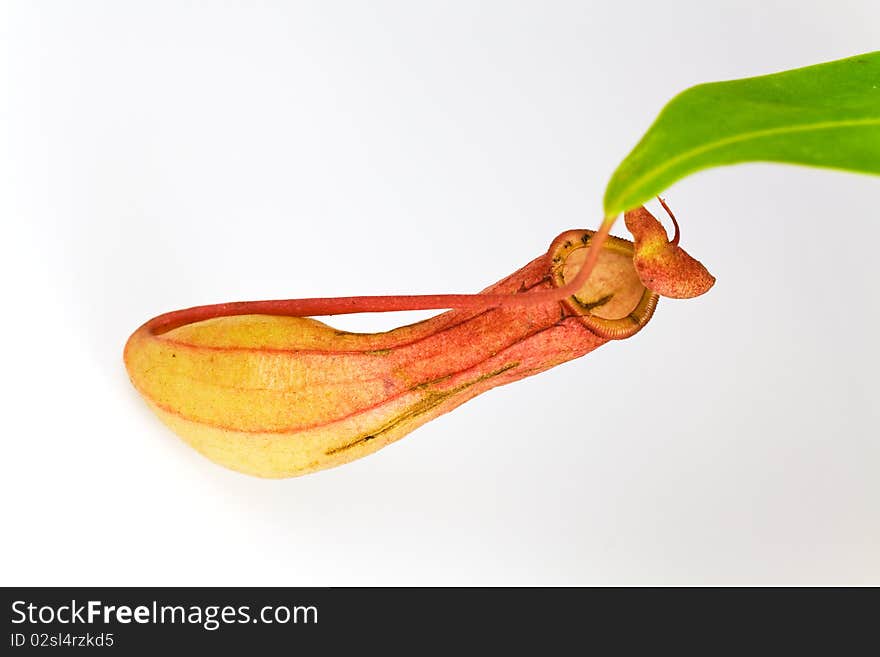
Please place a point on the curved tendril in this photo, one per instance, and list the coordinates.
(377, 304)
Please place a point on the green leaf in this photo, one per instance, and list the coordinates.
(826, 115)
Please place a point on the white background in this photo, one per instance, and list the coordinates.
(159, 155)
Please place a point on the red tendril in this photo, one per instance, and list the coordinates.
(379, 304)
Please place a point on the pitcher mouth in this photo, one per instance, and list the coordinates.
(614, 303)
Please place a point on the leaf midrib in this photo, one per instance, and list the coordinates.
(754, 134)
